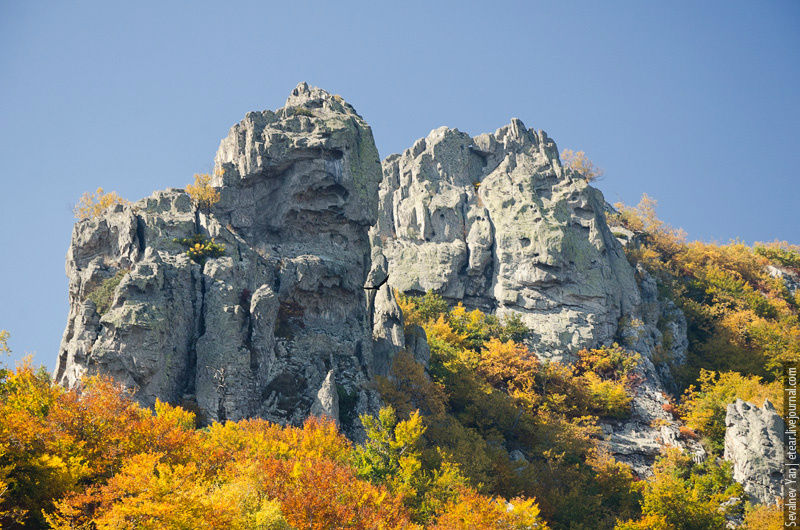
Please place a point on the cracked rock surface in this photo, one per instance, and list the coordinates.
(497, 222)
(278, 324)
(754, 444)
(298, 315)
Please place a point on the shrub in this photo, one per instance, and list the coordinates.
(683, 495)
(579, 162)
(780, 252)
(203, 194)
(688, 434)
(4, 342)
(671, 409)
(704, 406)
(103, 294)
(303, 111)
(739, 317)
(95, 204)
(201, 248)
(764, 517)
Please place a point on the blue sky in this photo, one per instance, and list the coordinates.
(694, 103)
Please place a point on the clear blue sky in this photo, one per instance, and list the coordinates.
(694, 103)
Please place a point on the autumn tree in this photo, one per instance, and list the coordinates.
(203, 194)
(580, 163)
(96, 204)
(683, 495)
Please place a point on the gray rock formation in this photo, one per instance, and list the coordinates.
(754, 444)
(327, 400)
(278, 323)
(298, 314)
(495, 221)
(790, 278)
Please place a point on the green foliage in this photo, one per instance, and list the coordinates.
(421, 309)
(683, 495)
(704, 405)
(780, 252)
(103, 294)
(739, 317)
(201, 248)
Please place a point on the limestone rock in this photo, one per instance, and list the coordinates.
(264, 329)
(790, 278)
(299, 314)
(754, 444)
(327, 400)
(497, 222)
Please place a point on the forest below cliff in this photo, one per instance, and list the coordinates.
(486, 436)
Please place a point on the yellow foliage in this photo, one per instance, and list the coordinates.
(579, 162)
(203, 194)
(95, 204)
(471, 510)
(180, 418)
(740, 317)
(764, 517)
(704, 405)
(4, 342)
(442, 330)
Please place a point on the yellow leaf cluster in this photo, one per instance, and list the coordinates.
(580, 163)
(203, 194)
(92, 205)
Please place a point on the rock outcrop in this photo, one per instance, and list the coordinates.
(278, 324)
(298, 314)
(754, 444)
(497, 222)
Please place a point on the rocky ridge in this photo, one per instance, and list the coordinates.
(298, 315)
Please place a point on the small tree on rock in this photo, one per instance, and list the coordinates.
(579, 162)
(203, 194)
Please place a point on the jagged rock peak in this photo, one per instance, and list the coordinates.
(280, 323)
(496, 221)
(304, 95)
(312, 125)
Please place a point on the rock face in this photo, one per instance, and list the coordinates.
(495, 221)
(298, 315)
(281, 322)
(754, 444)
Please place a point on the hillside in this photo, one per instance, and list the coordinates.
(464, 335)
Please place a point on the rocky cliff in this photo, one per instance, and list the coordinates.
(497, 222)
(297, 316)
(283, 320)
(754, 445)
